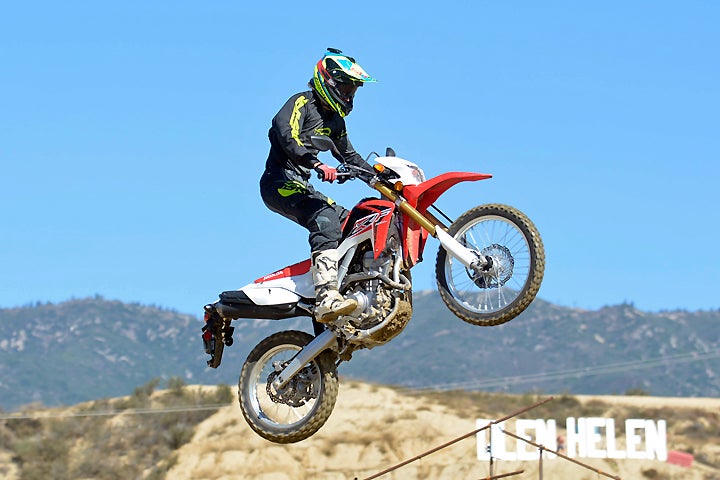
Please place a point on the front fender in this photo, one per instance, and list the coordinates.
(423, 195)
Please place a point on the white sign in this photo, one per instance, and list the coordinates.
(591, 437)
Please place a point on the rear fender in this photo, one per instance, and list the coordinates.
(275, 296)
(286, 285)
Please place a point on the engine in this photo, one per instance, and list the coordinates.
(374, 297)
(383, 294)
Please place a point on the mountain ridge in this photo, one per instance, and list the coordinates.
(88, 348)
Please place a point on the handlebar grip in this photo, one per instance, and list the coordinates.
(340, 175)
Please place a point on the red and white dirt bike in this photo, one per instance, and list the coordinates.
(489, 268)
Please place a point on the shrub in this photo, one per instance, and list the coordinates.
(637, 392)
(224, 394)
(176, 385)
(111, 447)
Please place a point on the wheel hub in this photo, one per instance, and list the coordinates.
(497, 271)
(297, 392)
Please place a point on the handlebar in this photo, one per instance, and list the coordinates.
(347, 172)
(344, 171)
(342, 177)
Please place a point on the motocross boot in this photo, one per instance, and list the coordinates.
(329, 303)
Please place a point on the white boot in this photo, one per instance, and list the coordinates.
(329, 304)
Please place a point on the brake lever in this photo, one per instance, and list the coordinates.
(345, 173)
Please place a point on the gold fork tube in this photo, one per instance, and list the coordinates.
(406, 208)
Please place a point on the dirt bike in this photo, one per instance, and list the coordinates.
(489, 268)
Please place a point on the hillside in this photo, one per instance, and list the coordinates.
(92, 348)
(372, 428)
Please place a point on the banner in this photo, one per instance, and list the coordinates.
(591, 437)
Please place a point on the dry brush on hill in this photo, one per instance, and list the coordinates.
(194, 432)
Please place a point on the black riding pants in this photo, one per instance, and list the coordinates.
(296, 199)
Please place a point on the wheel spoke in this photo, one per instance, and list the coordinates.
(299, 408)
(286, 406)
(501, 240)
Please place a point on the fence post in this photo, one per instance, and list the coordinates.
(541, 462)
(490, 441)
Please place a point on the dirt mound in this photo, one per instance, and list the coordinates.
(373, 428)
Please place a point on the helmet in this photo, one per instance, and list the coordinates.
(336, 79)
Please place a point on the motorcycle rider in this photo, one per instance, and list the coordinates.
(285, 187)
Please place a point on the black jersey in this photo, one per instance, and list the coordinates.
(301, 117)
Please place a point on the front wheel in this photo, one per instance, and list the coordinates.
(512, 277)
(297, 410)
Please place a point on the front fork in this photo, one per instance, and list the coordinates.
(466, 256)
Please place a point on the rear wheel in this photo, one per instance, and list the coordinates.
(512, 278)
(300, 408)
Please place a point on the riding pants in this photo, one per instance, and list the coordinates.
(293, 197)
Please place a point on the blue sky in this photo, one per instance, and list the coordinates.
(133, 134)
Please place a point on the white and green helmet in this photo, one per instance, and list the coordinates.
(336, 79)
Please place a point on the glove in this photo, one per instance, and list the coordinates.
(325, 172)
